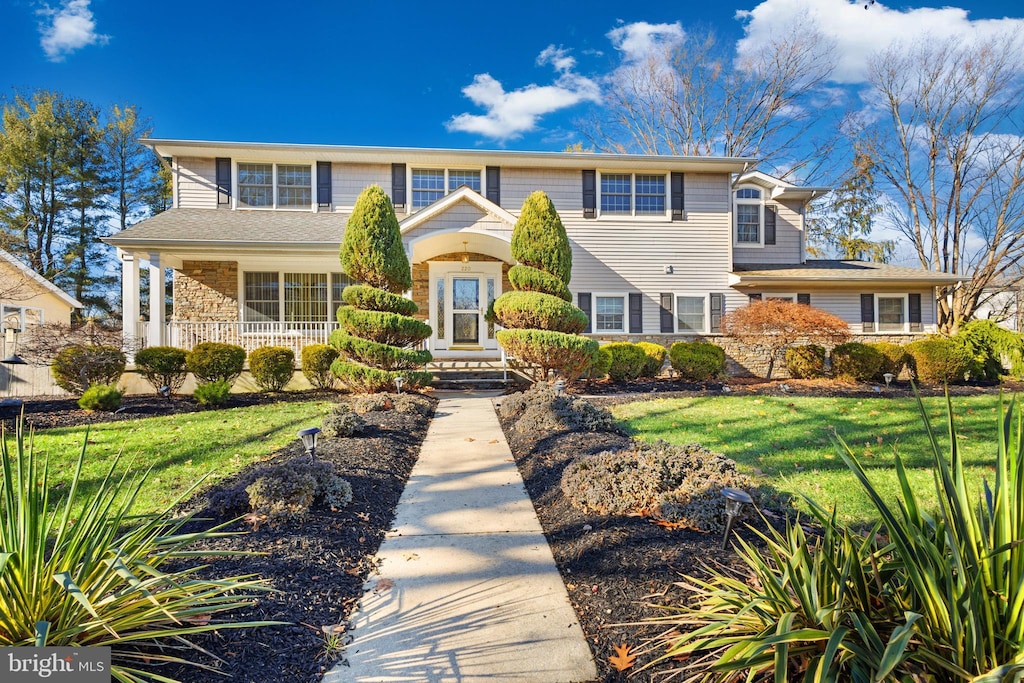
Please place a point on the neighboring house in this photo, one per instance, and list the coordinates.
(1003, 305)
(28, 299)
(662, 246)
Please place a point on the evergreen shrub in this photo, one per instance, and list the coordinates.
(371, 249)
(316, 364)
(539, 239)
(378, 355)
(655, 358)
(272, 367)
(289, 490)
(599, 368)
(535, 310)
(527, 279)
(340, 422)
(894, 358)
(103, 397)
(212, 394)
(569, 354)
(697, 361)
(216, 362)
(628, 361)
(857, 362)
(78, 367)
(162, 366)
(372, 299)
(938, 360)
(806, 361)
(990, 346)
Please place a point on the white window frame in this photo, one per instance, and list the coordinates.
(633, 215)
(275, 205)
(706, 321)
(905, 328)
(447, 182)
(625, 312)
(332, 304)
(759, 203)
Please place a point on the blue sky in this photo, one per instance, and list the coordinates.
(515, 75)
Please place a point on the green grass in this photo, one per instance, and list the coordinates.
(181, 449)
(786, 439)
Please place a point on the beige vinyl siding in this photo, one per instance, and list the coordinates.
(196, 183)
(845, 304)
(703, 192)
(788, 247)
(348, 180)
(461, 216)
(564, 188)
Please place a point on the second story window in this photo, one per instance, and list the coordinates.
(430, 184)
(748, 216)
(629, 194)
(274, 186)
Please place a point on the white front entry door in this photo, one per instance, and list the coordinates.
(459, 296)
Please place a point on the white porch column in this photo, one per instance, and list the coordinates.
(129, 296)
(156, 302)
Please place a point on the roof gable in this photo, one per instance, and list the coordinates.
(463, 194)
(38, 279)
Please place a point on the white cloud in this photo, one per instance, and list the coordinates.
(67, 29)
(859, 33)
(510, 114)
(640, 40)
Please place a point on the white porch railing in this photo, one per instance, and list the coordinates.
(186, 334)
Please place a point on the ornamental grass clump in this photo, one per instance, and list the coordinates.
(933, 592)
(378, 336)
(85, 569)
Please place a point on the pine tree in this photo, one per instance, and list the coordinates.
(848, 219)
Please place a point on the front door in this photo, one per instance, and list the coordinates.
(459, 296)
(466, 311)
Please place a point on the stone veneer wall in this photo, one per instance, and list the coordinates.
(421, 279)
(206, 291)
(744, 360)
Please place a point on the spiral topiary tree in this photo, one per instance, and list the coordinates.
(377, 331)
(542, 325)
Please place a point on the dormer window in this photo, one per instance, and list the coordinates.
(431, 184)
(266, 186)
(748, 209)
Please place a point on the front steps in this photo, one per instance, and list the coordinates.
(465, 373)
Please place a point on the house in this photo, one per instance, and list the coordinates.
(662, 246)
(28, 299)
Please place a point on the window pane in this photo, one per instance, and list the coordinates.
(294, 185)
(748, 193)
(439, 313)
(261, 303)
(255, 185)
(650, 194)
(457, 179)
(339, 281)
(615, 193)
(748, 223)
(490, 300)
(690, 313)
(305, 297)
(890, 313)
(427, 187)
(610, 313)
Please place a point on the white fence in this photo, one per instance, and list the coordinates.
(185, 334)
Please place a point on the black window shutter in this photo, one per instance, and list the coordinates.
(583, 301)
(867, 312)
(914, 315)
(769, 225)
(636, 313)
(668, 319)
(717, 309)
(590, 194)
(494, 184)
(223, 172)
(753, 297)
(398, 185)
(804, 299)
(323, 183)
(677, 197)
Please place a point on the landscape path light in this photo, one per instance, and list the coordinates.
(12, 332)
(559, 387)
(888, 377)
(399, 381)
(308, 437)
(735, 499)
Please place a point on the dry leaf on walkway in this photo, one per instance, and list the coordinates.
(410, 556)
(469, 438)
(383, 585)
(493, 441)
(622, 659)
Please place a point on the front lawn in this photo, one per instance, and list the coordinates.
(181, 448)
(787, 438)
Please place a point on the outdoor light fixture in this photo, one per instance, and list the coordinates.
(308, 437)
(735, 499)
(14, 358)
(559, 387)
(164, 391)
(888, 377)
(465, 252)
(399, 381)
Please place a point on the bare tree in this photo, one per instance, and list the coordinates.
(949, 148)
(696, 99)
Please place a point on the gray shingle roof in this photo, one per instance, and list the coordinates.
(248, 227)
(826, 270)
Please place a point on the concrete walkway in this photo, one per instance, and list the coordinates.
(467, 588)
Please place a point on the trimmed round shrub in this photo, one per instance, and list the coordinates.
(341, 421)
(857, 362)
(534, 310)
(316, 364)
(373, 299)
(938, 360)
(78, 367)
(570, 354)
(378, 355)
(103, 397)
(272, 367)
(806, 361)
(894, 358)
(628, 360)
(539, 239)
(212, 394)
(382, 327)
(216, 362)
(655, 358)
(162, 366)
(599, 368)
(371, 249)
(697, 361)
(527, 279)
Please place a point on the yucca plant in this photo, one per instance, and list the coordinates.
(921, 597)
(85, 571)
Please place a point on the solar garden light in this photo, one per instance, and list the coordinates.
(888, 377)
(164, 391)
(735, 499)
(399, 381)
(308, 437)
(559, 387)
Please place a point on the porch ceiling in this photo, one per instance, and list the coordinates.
(438, 243)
